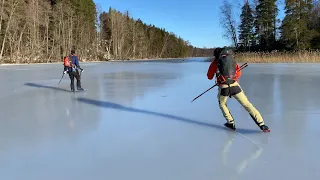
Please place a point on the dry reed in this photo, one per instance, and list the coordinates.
(279, 57)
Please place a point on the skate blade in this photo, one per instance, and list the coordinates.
(268, 130)
(233, 129)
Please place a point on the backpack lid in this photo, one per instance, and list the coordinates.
(227, 65)
(226, 52)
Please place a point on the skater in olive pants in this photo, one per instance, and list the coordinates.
(228, 73)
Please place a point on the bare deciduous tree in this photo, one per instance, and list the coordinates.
(227, 21)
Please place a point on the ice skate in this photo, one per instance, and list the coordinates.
(265, 128)
(72, 88)
(230, 126)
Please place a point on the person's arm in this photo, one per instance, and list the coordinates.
(212, 69)
(76, 61)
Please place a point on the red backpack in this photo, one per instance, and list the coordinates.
(67, 61)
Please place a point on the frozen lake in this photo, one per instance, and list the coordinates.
(137, 122)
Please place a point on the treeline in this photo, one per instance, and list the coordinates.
(45, 30)
(200, 52)
(126, 38)
(36, 31)
(123, 37)
(260, 30)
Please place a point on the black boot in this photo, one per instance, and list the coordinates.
(231, 126)
(79, 88)
(72, 88)
(265, 128)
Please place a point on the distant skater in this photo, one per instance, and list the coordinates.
(227, 74)
(72, 66)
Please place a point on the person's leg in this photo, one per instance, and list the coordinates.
(77, 76)
(71, 75)
(254, 113)
(222, 99)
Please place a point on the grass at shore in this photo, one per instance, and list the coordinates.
(278, 57)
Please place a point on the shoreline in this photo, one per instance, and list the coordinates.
(249, 57)
(152, 59)
(97, 61)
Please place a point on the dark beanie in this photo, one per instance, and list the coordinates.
(217, 52)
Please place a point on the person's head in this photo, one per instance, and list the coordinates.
(73, 51)
(217, 52)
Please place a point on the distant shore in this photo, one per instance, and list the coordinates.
(96, 61)
(152, 59)
(250, 57)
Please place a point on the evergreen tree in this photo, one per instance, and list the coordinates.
(266, 13)
(314, 24)
(295, 30)
(246, 28)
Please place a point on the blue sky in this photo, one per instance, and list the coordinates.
(194, 20)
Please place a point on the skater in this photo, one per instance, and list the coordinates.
(227, 74)
(71, 66)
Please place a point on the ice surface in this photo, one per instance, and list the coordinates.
(137, 122)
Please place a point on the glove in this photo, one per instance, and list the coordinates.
(64, 72)
(81, 69)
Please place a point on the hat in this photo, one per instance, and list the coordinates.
(217, 52)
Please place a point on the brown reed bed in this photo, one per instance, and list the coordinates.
(279, 57)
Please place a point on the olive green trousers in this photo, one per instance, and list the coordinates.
(239, 95)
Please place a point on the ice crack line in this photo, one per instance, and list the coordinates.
(250, 140)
